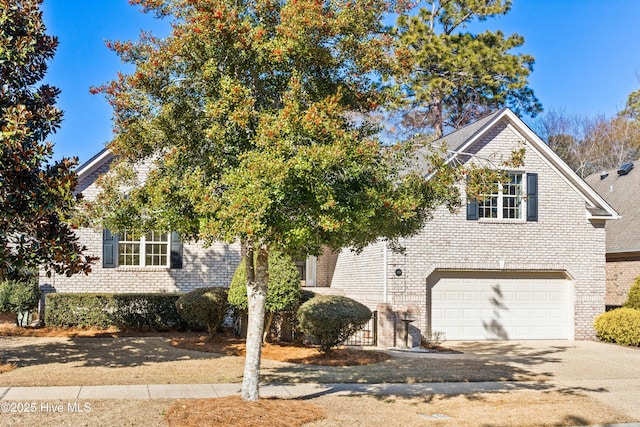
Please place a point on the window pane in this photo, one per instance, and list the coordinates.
(504, 201)
(488, 207)
(129, 254)
(156, 237)
(512, 198)
(156, 254)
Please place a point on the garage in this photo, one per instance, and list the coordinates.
(501, 305)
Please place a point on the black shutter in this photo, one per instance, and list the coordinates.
(176, 250)
(532, 197)
(472, 208)
(109, 249)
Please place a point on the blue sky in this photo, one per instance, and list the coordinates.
(587, 58)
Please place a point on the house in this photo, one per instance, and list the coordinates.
(621, 189)
(152, 263)
(527, 262)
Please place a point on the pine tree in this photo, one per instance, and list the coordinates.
(454, 77)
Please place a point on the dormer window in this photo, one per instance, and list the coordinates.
(505, 202)
(515, 199)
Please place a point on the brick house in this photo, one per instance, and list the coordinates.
(621, 188)
(154, 263)
(525, 263)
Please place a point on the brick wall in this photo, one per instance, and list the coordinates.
(360, 276)
(325, 267)
(211, 266)
(621, 273)
(561, 240)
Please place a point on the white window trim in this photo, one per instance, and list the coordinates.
(142, 241)
(500, 202)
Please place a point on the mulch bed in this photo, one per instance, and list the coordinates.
(282, 352)
(233, 411)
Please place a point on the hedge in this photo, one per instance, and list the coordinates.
(88, 310)
(283, 296)
(620, 326)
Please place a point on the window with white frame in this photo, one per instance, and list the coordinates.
(150, 250)
(506, 202)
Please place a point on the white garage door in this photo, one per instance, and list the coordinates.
(535, 306)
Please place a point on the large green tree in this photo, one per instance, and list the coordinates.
(454, 77)
(246, 114)
(36, 195)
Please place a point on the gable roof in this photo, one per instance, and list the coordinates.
(93, 163)
(623, 193)
(460, 141)
(459, 137)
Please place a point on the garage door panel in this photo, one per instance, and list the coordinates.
(470, 312)
(557, 296)
(471, 296)
(501, 308)
(541, 296)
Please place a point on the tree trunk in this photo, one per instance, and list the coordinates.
(267, 327)
(438, 126)
(257, 279)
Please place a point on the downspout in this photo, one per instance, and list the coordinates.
(385, 257)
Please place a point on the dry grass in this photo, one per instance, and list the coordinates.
(513, 409)
(74, 357)
(516, 409)
(103, 413)
(233, 411)
(71, 357)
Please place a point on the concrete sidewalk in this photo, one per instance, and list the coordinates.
(196, 391)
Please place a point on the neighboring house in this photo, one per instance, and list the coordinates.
(621, 188)
(525, 263)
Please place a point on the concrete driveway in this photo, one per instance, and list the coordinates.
(607, 372)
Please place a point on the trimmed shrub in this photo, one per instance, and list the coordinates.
(283, 297)
(20, 297)
(204, 307)
(331, 319)
(284, 285)
(633, 299)
(85, 310)
(620, 326)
